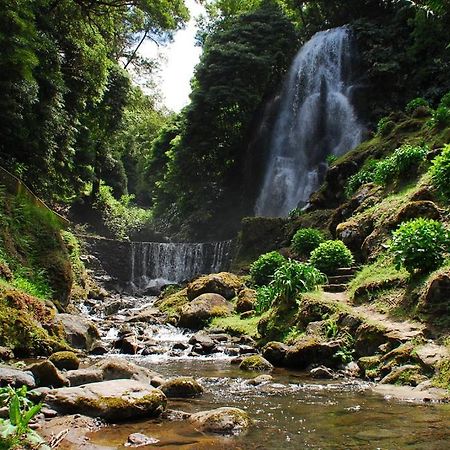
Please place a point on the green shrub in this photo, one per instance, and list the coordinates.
(295, 213)
(331, 255)
(264, 267)
(385, 126)
(445, 100)
(330, 159)
(305, 240)
(416, 103)
(295, 277)
(440, 172)
(365, 175)
(441, 117)
(265, 296)
(420, 245)
(399, 163)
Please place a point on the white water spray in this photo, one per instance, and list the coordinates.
(315, 119)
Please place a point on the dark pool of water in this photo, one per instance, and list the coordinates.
(293, 412)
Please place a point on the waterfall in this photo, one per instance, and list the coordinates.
(315, 119)
(154, 264)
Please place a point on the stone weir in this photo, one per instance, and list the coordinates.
(144, 267)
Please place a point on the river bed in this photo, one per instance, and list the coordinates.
(291, 412)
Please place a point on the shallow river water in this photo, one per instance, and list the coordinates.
(292, 412)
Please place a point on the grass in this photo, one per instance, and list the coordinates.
(236, 326)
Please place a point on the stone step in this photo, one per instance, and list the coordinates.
(334, 287)
(347, 270)
(340, 279)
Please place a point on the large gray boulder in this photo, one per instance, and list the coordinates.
(115, 400)
(16, 378)
(221, 421)
(80, 332)
(199, 311)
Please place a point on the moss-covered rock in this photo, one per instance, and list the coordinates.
(368, 339)
(246, 300)
(182, 387)
(46, 374)
(202, 309)
(275, 352)
(256, 363)
(80, 332)
(114, 401)
(311, 350)
(172, 303)
(65, 360)
(409, 375)
(27, 325)
(225, 284)
(227, 421)
(370, 366)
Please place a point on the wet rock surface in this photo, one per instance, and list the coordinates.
(228, 421)
(115, 400)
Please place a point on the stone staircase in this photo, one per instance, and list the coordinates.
(339, 281)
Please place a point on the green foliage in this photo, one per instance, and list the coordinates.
(415, 103)
(330, 159)
(445, 100)
(331, 255)
(440, 172)
(385, 126)
(293, 278)
(420, 245)
(120, 216)
(199, 187)
(295, 213)
(306, 240)
(400, 164)
(441, 117)
(265, 295)
(15, 432)
(363, 176)
(263, 269)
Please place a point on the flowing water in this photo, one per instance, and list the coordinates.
(315, 119)
(154, 264)
(290, 412)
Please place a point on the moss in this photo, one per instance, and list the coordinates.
(182, 387)
(236, 326)
(442, 377)
(172, 303)
(27, 325)
(65, 360)
(255, 363)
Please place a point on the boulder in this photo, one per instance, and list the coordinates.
(275, 352)
(98, 348)
(353, 233)
(181, 387)
(115, 400)
(415, 209)
(435, 298)
(84, 376)
(312, 351)
(322, 373)
(256, 363)
(16, 378)
(140, 440)
(79, 332)
(127, 344)
(246, 300)
(203, 340)
(368, 338)
(261, 379)
(370, 366)
(118, 368)
(46, 374)
(65, 360)
(225, 284)
(199, 311)
(221, 421)
(408, 374)
(6, 354)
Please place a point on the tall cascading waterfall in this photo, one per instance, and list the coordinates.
(315, 119)
(154, 264)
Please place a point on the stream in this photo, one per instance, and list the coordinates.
(292, 411)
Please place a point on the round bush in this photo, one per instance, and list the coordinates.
(331, 255)
(305, 240)
(416, 103)
(264, 267)
(440, 172)
(445, 100)
(420, 245)
(441, 117)
(385, 126)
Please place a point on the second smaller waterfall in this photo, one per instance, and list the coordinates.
(156, 263)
